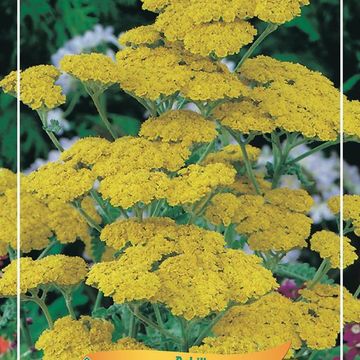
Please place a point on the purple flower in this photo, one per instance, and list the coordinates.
(289, 289)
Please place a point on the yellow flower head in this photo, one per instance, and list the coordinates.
(296, 98)
(231, 154)
(275, 319)
(245, 116)
(128, 154)
(166, 70)
(86, 151)
(297, 200)
(38, 89)
(277, 222)
(91, 68)
(189, 260)
(7, 180)
(327, 244)
(83, 336)
(57, 181)
(149, 73)
(60, 270)
(227, 208)
(351, 209)
(218, 38)
(67, 223)
(80, 336)
(352, 118)
(196, 181)
(141, 35)
(127, 189)
(279, 12)
(182, 126)
(318, 323)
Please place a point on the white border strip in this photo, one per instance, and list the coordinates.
(18, 168)
(341, 180)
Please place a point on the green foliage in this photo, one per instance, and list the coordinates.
(7, 318)
(301, 272)
(7, 131)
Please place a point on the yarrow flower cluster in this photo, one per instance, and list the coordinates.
(184, 229)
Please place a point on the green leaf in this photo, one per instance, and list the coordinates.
(301, 272)
(97, 248)
(351, 82)
(327, 354)
(127, 124)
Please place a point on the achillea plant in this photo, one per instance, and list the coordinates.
(184, 238)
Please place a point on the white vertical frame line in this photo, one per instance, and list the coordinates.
(341, 180)
(18, 168)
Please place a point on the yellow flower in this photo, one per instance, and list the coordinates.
(34, 230)
(318, 324)
(188, 260)
(279, 12)
(60, 270)
(351, 207)
(149, 73)
(297, 200)
(7, 180)
(219, 38)
(167, 70)
(91, 68)
(83, 336)
(141, 35)
(196, 181)
(296, 98)
(243, 185)
(86, 151)
(38, 89)
(59, 182)
(232, 154)
(67, 223)
(274, 317)
(245, 116)
(182, 126)
(327, 244)
(128, 154)
(278, 223)
(128, 189)
(227, 208)
(352, 118)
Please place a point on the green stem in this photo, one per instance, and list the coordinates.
(88, 218)
(101, 204)
(320, 273)
(43, 117)
(54, 140)
(47, 249)
(205, 332)
(72, 105)
(98, 301)
(150, 323)
(313, 151)
(269, 29)
(357, 292)
(103, 116)
(183, 324)
(132, 326)
(68, 302)
(206, 152)
(247, 162)
(12, 253)
(43, 307)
